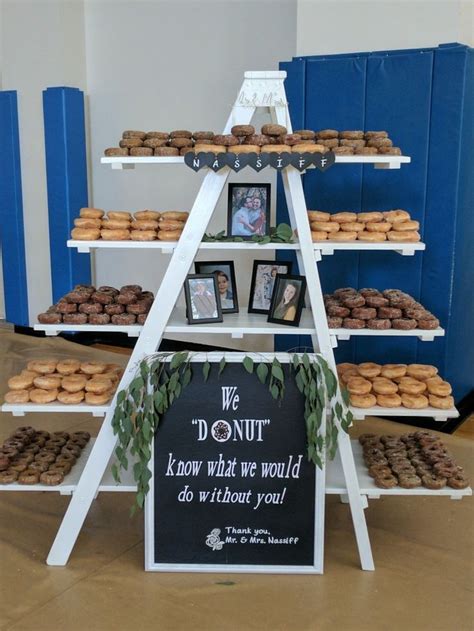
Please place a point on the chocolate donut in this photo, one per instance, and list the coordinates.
(99, 318)
(106, 289)
(50, 318)
(353, 323)
(389, 312)
(66, 307)
(78, 296)
(409, 481)
(124, 319)
(115, 309)
(126, 297)
(139, 307)
(376, 301)
(333, 322)
(91, 307)
(75, 318)
(103, 297)
(339, 312)
(379, 324)
(428, 324)
(458, 482)
(432, 481)
(386, 481)
(354, 301)
(364, 313)
(257, 139)
(404, 324)
(271, 129)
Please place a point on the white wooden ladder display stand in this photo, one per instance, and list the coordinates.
(259, 89)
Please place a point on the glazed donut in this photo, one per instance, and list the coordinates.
(169, 235)
(438, 387)
(98, 386)
(409, 385)
(370, 217)
(318, 215)
(341, 368)
(20, 382)
(344, 217)
(74, 383)
(171, 224)
(378, 226)
(348, 374)
(389, 400)
(414, 401)
(318, 235)
(51, 478)
(43, 366)
(119, 215)
(342, 236)
(47, 382)
(115, 224)
(326, 226)
(421, 371)
(382, 385)
(147, 215)
(394, 370)
(91, 213)
(375, 237)
(396, 216)
(278, 148)
(363, 400)
(386, 481)
(98, 399)
(441, 403)
(369, 370)
(70, 398)
(86, 222)
(403, 237)
(174, 215)
(145, 224)
(410, 225)
(352, 226)
(143, 235)
(92, 367)
(115, 235)
(85, 234)
(38, 395)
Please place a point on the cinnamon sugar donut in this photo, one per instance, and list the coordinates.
(47, 382)
(20, 382)
(68, 366)
(17, 396)
(43, 366)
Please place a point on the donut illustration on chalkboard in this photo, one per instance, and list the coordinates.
(221, 431)
(213, 540)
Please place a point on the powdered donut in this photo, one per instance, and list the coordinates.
(414, 401)
(38, 395)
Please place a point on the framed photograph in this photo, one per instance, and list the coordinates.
(248, 210)
(226, 284)
(263, 282)
(287, 299)
(202, 299)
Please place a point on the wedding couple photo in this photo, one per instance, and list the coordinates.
(248, 211)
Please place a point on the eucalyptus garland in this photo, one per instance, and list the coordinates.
(162, 377)
(283, 233)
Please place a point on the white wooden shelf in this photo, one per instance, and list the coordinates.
(429, 412)
(320, 247)
(20, 409)
(425, 335)
(127, 483)
(379, 161)
(336, 485)
(55, 329)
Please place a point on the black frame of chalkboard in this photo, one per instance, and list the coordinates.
(280, 278)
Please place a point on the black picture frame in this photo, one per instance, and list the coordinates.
(281, 283)
(262, 295)
(226, 269)
(240, 192)
(192, 307)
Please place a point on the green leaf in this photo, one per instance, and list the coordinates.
(248, 364)
(277, 371)
(178, 359)
(222, 364)
(274, 391)
(140, 499)
(206, 367)
(121, 397)
(187, 375)
(284, 231)
(306, 362)
(137, 384)
(262, 372)
(264, 240)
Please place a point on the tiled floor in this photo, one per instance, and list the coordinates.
(423, 550)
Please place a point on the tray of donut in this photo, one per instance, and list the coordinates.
(94, 224)
(395, 226)
(99, 306)
(30, 456)
(65, 381)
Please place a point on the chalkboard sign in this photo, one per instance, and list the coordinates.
(232, 488)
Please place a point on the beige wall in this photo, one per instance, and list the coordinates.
(341, 26)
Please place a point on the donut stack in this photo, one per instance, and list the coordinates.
(411, 460)
(357, 142)
(415, 386)
(31, 456)
(144, 225)
(391, 225)
(244, 139)
(105, 305)
(67, 381)
(373, 309)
